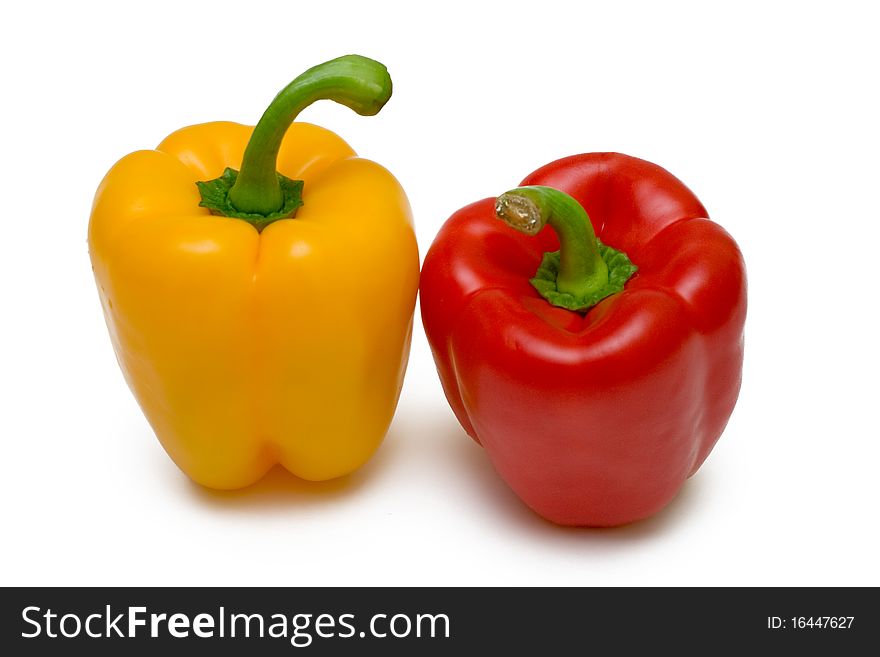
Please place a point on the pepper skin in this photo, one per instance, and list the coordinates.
(593, 419)
(245, 348)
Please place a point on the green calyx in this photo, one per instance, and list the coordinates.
(584, 270)
(620, 269)
(215, 197)
(259, 194)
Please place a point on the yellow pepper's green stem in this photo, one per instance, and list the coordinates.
(357, 82)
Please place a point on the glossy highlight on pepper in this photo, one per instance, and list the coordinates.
(593, 408)
(251, 339)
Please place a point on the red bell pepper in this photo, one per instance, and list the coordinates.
(594, 416)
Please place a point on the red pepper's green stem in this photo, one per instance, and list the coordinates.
(582, 271)
(357, 82)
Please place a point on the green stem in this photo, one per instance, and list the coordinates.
(357, 82)
(259, 194)
(584, 271)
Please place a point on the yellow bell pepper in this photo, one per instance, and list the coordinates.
(250, 337)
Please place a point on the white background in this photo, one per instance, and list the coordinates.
(768, 111)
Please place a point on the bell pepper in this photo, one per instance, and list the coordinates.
(600, 385)
(259, 287)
